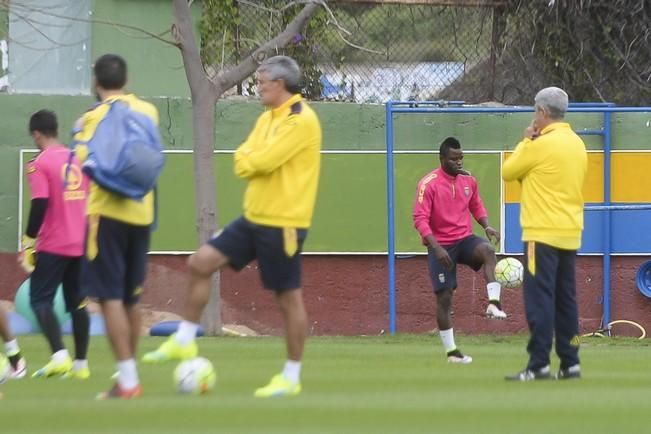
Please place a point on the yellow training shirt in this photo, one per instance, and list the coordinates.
(100, 201)
(551, 169)
(281, 159)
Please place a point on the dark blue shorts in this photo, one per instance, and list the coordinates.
(51, 271)
(461, 252)
(115, 263)
(278, 251)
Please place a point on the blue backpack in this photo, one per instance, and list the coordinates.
(125, 155)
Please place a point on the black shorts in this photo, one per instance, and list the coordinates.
(115, 263)
(51, 271)
(461, 252)
(278, 251)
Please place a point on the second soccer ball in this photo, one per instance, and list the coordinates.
(195, 376)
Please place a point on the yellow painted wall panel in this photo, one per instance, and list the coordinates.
(631, 177)
(593, 190)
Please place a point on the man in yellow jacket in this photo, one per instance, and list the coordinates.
(550, 164)
(280, 160)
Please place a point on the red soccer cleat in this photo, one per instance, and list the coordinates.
(118, 392)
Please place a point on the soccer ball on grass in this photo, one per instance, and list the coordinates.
(195, 376)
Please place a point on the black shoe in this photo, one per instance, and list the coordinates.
(571, 373)
(530, 375)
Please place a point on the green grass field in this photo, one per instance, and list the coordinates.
(351, 385)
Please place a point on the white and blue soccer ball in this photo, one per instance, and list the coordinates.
(509, 272)
(195, 376)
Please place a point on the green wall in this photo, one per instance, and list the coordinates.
(345, 127)
(156, 68)
(351, 209)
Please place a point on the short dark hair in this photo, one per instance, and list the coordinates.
(111, 72)
(45, 122)
(449, 143)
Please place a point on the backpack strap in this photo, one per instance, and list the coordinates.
(65, 177)
(154, 224)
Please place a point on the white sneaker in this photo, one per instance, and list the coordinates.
(456, 357)
(19, 371)
(495, 312)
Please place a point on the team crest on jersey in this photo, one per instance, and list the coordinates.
(72, 176)
(442, 278)
(466, 190)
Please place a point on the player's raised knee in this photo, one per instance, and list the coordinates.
(487, 250)
(197, 264)
(205, 261)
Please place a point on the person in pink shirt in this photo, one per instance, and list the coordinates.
(53, 244)
(445, 201)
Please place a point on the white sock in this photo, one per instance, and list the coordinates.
(494, 290)
(292, 371)
(60, 356)
(11, 347)
(447, 337)
(186, 332)
(79, 364)
(128, 374)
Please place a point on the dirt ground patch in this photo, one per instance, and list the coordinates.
(151, 317)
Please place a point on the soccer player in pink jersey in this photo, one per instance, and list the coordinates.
(55, 232)
(445, 201)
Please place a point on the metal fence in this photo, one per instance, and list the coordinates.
(366, 52)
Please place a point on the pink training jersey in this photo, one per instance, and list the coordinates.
(64, 226)
(444, 204)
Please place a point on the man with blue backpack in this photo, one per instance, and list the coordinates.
(119, 146)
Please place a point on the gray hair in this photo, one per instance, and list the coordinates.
(283, 68)
(554, 101)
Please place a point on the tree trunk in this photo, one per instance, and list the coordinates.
(203, 126)
(204, 97)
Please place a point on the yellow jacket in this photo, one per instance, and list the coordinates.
(100, 201)
(551, 169)
(281, 160)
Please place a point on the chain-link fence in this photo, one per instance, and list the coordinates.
(362, 52)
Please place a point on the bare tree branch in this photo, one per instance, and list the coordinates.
(358, 47)
(228, 79)
(184, 36)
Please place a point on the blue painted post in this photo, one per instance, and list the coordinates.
(607, 215)
(391, 232)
